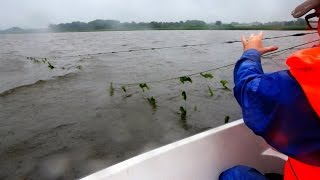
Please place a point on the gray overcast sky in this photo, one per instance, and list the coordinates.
(40, 13)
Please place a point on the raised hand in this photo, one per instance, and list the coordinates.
(255, 42)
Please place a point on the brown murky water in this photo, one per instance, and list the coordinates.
(63, 123)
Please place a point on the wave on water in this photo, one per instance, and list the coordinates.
(39, 82)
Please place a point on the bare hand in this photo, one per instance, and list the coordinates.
(255, 42)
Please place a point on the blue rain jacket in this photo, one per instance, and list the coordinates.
(275, 107)
(241, 173)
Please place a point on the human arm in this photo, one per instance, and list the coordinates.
(247, 76)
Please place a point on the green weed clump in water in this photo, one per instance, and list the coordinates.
(111, 90)
(184, 95)
(153, 103)
(183, 118)
(207, 75)
(185, 79)
(144, 85)
(226, 119)
(79, 67)
(124, 89)
(44, 60)
(50, 66)
(36, 61)
(210, 91)
(224, 84)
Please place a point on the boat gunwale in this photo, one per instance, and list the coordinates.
(124, 165)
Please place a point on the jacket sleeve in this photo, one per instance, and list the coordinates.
(247, 76)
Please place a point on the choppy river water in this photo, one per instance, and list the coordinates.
(63, 123)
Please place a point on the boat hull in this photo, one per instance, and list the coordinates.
(200, 157)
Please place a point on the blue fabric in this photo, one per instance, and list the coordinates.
(275, 107)
(241, 173)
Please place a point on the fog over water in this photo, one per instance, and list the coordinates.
(65, 120)
(39, 13)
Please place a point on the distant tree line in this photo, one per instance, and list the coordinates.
(112, 25)
(95, 25)
(98, 25)
(101, 25)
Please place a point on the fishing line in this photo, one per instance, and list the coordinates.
(269, 54)
(277, 37)
(213, 69)
(159, 48)
(278, 53)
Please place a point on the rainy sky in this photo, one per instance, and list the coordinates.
(40, 13)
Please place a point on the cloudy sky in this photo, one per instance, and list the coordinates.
(40, 13)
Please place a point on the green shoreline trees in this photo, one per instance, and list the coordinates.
(105, 25)
(112, 25)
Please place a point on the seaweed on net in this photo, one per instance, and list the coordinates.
(184, 79)
(144, 86)
(183, 118)
(224, 84)
(111, 89)
(207, 75)
(184, 95)
(152, 101)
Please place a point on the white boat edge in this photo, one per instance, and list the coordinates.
(199, 157)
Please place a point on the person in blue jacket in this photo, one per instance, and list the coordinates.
(275, 107)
